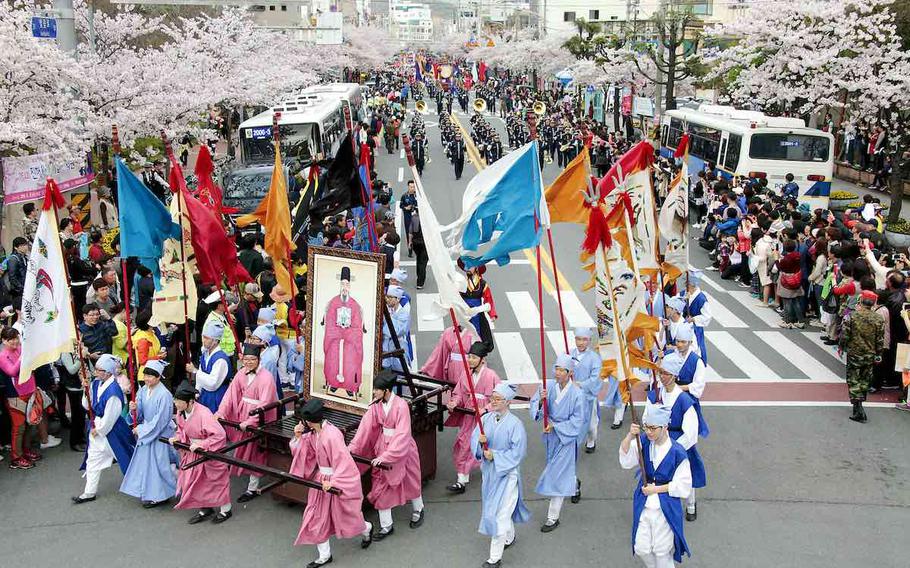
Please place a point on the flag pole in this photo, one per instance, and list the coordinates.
(132, 370)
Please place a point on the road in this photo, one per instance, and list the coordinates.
(791, 483)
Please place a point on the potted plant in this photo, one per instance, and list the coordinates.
(840, 200)
(897, 233)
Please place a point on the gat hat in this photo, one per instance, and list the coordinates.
(250, 349)
(213, 329)
(345, 273)
(252, 289)
(564, 361)
(655, 414)
(384, 380)
(395, 292)
(677, 304)
(480, 349)
(505, 390)
(583, 332)
(108, 363)
(154, 367)
(312, 410)
(264, 333)
(399, 274)
(185, 392)
(685, 332)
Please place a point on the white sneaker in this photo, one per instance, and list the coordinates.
(52, 442)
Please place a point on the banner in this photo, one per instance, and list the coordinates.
(24, 177)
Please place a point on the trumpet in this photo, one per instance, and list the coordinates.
(480, 105)
(421, 107)
(540, 108)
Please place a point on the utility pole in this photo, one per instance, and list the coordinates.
(66, 25)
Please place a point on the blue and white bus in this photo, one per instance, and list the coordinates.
(740, 144)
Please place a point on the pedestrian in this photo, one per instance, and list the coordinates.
(415, 234)
(790, 289)
(862, 338)
(657, 520)
(501, 449)
(384, 435)
(319, 453)
(408, 206)
(565, 404)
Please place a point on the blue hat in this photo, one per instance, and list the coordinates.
(266, 314)
(685, 332)
(395, 292)
(108, 363)
(399, 274)
(564, 361)
(655, 414)
(505, 390)
(677, 304)
(584, 332)
(265, 332)
(213, 329)
(694, 277)
(672, 364)
(154, 367)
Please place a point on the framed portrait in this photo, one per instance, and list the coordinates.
(344, 326)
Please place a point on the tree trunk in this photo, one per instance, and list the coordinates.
(896, 182)
(616, 105)
(671, 71)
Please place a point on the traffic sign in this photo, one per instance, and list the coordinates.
(44, 27)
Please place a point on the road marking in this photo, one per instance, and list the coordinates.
(545, 280)
(414, 362)
(743, 358)
(425, 306)
(712, 375)
(515, 358)
(816, 338)
(767, 315)
(712, 283)
(556, 342)
(401, 172)
(401, 156)
(525, 308)
(574, 310)
(809, 365)
(722, 314)
(407, 263)
(563, 281)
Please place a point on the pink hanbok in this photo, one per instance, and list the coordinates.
(388, 436)
(241, 397)
(343, 334)
(445, 363)
(321, 457)
(462, 454)
(209, 483)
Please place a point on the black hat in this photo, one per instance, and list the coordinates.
(384, 380)
(480, 349)
(312, 410)
(250, 349)
(345, 273)
(185, 392)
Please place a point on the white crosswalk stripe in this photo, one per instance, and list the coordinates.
(515, 357)
(415, 364)
(751, 366)
(792, 352)
(711, 283)
(574, 311)
(525, 308)
(767, 315)
(723, 316)
(424, 306)
(831, 350)
(556, 340)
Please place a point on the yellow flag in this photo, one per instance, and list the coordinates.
(274, 214)
(566, 195)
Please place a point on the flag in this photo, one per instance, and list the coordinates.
(673, 218)
(145, 223)
(470, 147)
(274, 214)
(301, 211)
(341, 186)
(418, 72)
(170, 304)
(501, 210)
(209, 193)
(632, 174)
(48, 329)
(566, 195)
(474, 72)
(482, 71)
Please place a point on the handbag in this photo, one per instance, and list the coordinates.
(753, 263)
(791, 280)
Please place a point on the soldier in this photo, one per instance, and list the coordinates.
(863, 339)
(456, 153)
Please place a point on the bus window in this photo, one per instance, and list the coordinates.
(704, 142)
(791, 147)
(674, 133)
(298, 141)
(731, 160)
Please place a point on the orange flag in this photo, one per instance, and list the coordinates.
(566, 195)
(274, 214)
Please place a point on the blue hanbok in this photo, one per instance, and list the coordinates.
(296, 363)
(150, 476)
(212, 399)
(681, 405)
(119, 438)
(401, 320)
(587, 378)
(566, 416)
(694, 307)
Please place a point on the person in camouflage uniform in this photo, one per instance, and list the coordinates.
(862, 337)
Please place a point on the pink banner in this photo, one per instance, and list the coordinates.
(24, 177)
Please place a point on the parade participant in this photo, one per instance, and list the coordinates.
(676, 306)
(566, 421)
(408, 204)
(401, 322)
(109, 435)
(150, 476)
(692, 374)
(697, 310)
(384, 435)
(398, 277)
(206, 486)
(484, 380)
(501, 448)
(218, 314)
(343, 343)
(657, 525)
(587, 377)
(268, 358)
(214, 367)
(456, 153)
(444, 363)
(686, 422)
(252, 387)
(296, 364)
(320, 454)
(862, 338)
(478, 292)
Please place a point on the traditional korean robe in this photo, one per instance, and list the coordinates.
(587, 378)
(685, 424)
(320, 457)
(693, 374)
(114, 439)
(445, 362)
(209, 483)
(401, 320)
(385, 432)
(268, 360)
(150, 476)
(502, 504)
(484, 383)
(697, 307)
(245, 394)
(211, 383)
(343, 327)
(566, 416)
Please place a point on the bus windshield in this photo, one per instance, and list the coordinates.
(298, 142)
(791, 147)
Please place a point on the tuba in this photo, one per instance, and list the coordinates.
(421, 106)
(540, 108)
(445, 71)
(480, 105)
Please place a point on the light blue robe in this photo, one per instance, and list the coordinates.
(568, 421)
(587, 378)
(268, 360)
(401, 319)
(296, 363)
(150, 476)
(509, 443)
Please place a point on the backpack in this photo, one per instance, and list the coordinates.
(791, 280)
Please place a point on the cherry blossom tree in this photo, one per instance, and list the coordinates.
(368, 47)
(522, 52)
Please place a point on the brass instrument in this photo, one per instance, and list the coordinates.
(421, 107)
(480, 105)
(445, 71)
(540, 108)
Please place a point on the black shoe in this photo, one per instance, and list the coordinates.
(691, 516)
(410, 253)
(366, 541)
(78, 448)
(153, 504)
(316, 563)
(830, 342)
(350, 393)
(333, 389)
(577, 497)
(221, 517)
(496, 564)
(511, 544)
(549, 527)
(201, 516)
(247, 496)
(859, 415)
(456, 488)
(415, 523)
(616, 426)
(383, 533)
(591, 450)
(79, 499)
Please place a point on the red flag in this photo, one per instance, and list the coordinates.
(52, 196)
(208, 192)
(216, 255)
(683, 147)
(482, 72)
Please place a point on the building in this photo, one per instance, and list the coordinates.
(410, 22)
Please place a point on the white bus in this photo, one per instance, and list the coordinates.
(749, 144)
(349, 93)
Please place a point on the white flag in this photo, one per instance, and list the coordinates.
(168, 305)
(673, 221)
(48, 329)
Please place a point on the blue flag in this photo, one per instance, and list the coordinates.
(145, 223)
(501, 210)
(418, 72)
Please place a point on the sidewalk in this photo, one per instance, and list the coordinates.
(845, 185)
